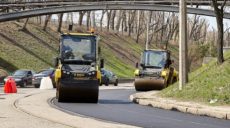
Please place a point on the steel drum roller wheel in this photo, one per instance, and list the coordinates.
(143, 84)
(83, 91)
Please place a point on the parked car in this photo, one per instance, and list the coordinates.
(43, 73)
(22, 77)
(108, 77)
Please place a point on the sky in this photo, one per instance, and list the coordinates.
(212, 20)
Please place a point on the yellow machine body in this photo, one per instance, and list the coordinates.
(77, 75)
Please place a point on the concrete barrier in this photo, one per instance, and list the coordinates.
(46, 83)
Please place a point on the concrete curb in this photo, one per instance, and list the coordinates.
(186, 107)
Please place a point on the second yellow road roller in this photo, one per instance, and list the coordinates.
(155, 71)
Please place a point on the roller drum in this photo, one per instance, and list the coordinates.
(84, 91)
(147, 84)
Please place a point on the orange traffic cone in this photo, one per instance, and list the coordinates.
(13, 85)
(7, 87)
(10, 86)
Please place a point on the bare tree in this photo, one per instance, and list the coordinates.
(60, 18)
(113, 16)
(163, 26)
(197, 30)
(124, 22)
(81, 15)
(174, 26)
(219, 18)
(119, 20)
(101, 20)
(227, 37)
(24, 26)
(193, 26)
(93, 20)
(39, 20)
(109, 12)
(138, 29)
(46, 21)
(131, 16)
(88, 20)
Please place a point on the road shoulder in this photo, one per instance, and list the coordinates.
(12, 117)
(152, 99)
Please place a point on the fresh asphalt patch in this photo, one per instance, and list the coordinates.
(115, 106)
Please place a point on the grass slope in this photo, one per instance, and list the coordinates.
(210, 82)
(34, 49)
(27, 49)
(120, 53)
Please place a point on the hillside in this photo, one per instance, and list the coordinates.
(120, 53)
(207, 84)
(34, 49)
(30, 49)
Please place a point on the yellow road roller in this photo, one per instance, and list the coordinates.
(155, 71)
(77, 75)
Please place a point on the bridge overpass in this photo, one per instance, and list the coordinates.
(26, 3)
(87, 6)
(6, 5)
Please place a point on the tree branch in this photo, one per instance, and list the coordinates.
(222, 6)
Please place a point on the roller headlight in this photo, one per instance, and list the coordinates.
(66, 74)
(92, 74)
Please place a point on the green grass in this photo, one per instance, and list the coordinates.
(207, 83)
(30, 49)
(120, 54)
(116, 65)
(34, 49)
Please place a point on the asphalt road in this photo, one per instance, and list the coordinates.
(114, 105)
